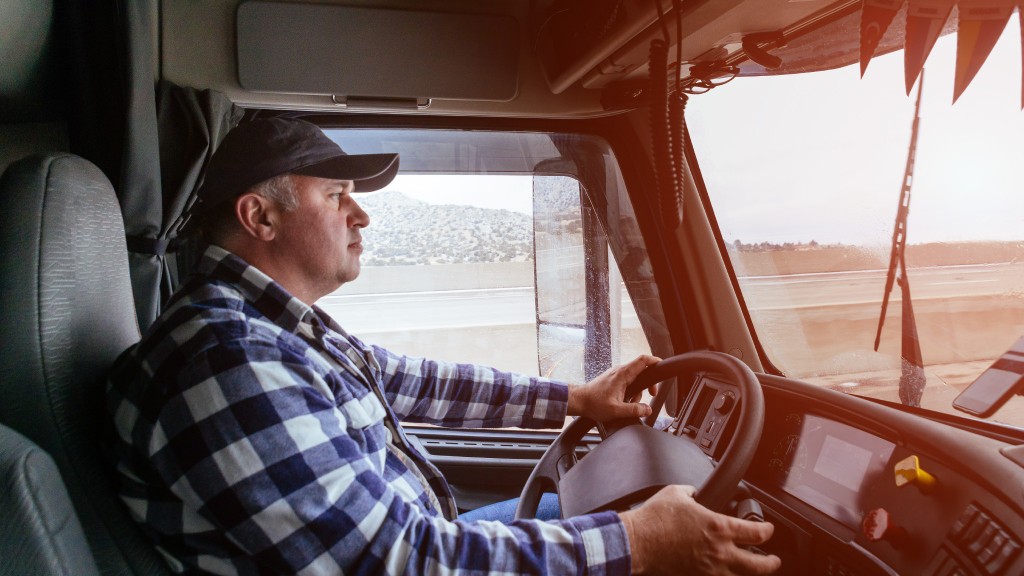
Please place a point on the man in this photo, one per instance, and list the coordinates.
(254, 435)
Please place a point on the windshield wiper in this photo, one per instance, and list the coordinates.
(912, 377)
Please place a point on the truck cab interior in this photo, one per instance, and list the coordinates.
(725, 184)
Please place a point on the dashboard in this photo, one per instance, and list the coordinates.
(857, 488)
(826, 464)
(853, 487)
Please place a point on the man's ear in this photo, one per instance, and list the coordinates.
(257, 216)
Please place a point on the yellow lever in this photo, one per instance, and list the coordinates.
(909, 471)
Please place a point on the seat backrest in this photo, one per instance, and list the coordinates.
(40, 533)
(67, 314)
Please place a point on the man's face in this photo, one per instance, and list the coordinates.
(322, 236)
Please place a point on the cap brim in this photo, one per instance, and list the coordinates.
(369, 171)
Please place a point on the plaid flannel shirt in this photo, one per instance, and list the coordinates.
(249, 437)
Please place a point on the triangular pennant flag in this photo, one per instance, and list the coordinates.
(981, 24)
(925, 19)
(874, 21)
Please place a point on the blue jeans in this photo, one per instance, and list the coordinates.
(548, 509)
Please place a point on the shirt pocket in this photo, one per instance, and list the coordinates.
(365, 422)
(364, 412)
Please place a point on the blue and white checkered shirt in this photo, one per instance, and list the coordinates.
(250, 437)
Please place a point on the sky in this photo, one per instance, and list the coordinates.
(821, 156)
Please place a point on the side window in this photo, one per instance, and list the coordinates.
(510, 271)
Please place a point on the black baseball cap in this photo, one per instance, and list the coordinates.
(262, 149)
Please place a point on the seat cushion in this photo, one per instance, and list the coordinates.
(40, 533)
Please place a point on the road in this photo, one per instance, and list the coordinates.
(503, 306)
(860, 287)
(436, 309)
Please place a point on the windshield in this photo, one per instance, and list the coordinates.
(805, 184)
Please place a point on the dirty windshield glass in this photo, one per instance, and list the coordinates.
(806, 173)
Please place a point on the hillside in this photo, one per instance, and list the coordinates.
(405, 231)
(769, 259)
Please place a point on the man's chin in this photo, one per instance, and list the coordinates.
(352, 273)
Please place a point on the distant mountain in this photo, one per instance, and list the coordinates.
(405, 231)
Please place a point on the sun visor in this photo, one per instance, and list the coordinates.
(376, 54)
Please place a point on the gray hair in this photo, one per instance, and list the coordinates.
(220, 222)
(280, 189)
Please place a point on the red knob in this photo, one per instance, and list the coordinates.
(878, 525)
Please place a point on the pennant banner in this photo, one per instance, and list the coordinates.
(981, 24)
(874, 21)
(925, 20)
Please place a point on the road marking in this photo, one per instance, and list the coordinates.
(873, 271)
(420, 292)
(962, 282)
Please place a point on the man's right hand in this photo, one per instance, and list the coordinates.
(672, 534)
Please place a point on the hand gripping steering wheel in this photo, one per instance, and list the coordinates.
(635, 460)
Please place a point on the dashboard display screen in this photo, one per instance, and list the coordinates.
(827, 464)
(842, 462)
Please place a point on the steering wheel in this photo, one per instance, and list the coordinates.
(635, 460)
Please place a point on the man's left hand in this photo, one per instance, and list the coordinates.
(603, 398)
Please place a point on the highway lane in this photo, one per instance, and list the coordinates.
(515, 305)
(845, 288)
(441, 309)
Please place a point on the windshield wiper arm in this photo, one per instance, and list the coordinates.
(912, 377)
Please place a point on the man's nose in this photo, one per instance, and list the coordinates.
(358, 218)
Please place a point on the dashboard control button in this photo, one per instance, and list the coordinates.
(878, 525)
(993, 548)
(984, 538)
(712, 425)
(1006, 553)
(909, 471)
(724, 402)
(975, 528)
(964, 520)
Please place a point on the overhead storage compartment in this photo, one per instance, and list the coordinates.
(416, 55)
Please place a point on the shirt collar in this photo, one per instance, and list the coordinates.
(266, 295)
